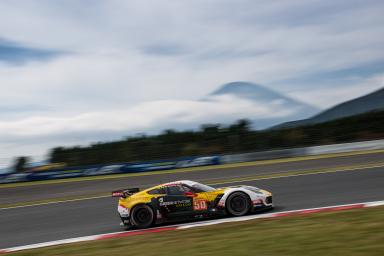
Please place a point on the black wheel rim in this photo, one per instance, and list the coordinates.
(238, 204)
(142, 216)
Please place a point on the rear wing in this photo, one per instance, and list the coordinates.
(125, 192)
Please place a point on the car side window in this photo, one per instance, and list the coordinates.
(175, 190)
(156, 191)
(153, 192)
(188, 189)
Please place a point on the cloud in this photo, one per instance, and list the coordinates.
(16, 54)
(165, 49)
(145, 116)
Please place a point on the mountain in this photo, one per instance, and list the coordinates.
(281, 107)
(370, 102)
(252, 91)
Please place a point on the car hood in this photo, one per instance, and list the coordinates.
(251, 188)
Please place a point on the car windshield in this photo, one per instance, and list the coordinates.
(202, 188)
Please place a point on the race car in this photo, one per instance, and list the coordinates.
(187, 200)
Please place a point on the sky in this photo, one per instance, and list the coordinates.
(79, 71)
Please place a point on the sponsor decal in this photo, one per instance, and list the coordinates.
(221, 203)
(177, 203)
(91, 171)
(185, 204)
(16, 177)
(109, 169)
(199, 161)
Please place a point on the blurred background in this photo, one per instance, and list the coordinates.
(88, 83)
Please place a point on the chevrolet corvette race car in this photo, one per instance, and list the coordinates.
(187, 200)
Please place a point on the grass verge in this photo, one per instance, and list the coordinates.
(354, 232)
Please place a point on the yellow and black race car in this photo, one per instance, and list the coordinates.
(187, 200)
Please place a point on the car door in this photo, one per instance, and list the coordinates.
(176, 203)
(200, 202)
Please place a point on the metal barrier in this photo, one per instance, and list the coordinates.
(263, 155)
(346, 147)
(316, 150)
(104, 169)
(188, 162)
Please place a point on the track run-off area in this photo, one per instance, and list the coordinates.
(37, 213)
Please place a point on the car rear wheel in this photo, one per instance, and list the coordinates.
(142, 216)
(238, 204)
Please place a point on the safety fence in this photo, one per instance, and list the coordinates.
(117, 168)
(305, 151)
(104, 169)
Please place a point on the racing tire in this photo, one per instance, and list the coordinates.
(142, 216)
(238, 204)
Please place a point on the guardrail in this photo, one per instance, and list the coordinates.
(188, 162)
(305, 151)
(263, 155)
(346, 147)
(104, 169)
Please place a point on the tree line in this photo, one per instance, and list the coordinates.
(216, 139)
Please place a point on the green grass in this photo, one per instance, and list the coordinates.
(354, 232)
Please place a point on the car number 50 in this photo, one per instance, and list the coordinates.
(199, 205)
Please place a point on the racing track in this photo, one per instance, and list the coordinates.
(26, 225)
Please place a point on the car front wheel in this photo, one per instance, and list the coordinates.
(238, 204)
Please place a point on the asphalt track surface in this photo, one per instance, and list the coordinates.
(84, 188)
(42, 223)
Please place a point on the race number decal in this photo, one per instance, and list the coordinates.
(199, 205)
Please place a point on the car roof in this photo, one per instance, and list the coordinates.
(186, 182)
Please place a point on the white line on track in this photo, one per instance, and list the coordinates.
(55, 202)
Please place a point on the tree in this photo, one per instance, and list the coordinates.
(242, 126)
(57, 155)
(21, 163)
